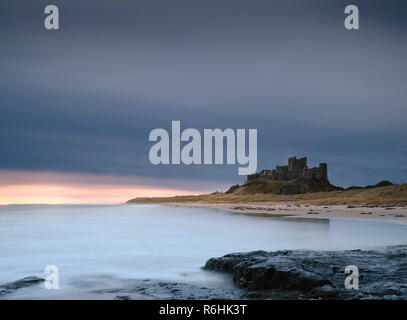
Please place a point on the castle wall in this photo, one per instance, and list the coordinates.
(296, 168)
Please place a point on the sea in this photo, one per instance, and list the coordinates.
(92, 246)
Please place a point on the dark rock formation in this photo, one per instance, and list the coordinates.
(298, 274)
(157, 290)
(19, 284)
(317, 274)
(296, 186)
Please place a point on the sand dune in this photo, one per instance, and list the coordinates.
(394, 195)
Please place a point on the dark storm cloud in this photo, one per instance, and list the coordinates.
(84, 98)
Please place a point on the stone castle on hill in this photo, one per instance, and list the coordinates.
(296, 168)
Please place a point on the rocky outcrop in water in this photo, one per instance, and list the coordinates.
(298, 274)
(19, 284)
(317, 274)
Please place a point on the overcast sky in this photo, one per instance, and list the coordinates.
(84, 99)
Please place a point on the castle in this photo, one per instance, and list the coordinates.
(296, 168)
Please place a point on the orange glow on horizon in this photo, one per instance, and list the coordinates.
(78, 194)
(28, 187)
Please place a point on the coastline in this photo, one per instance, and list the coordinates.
(396, 214)
(388, 203)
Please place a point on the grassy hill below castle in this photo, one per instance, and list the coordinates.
(384, 193)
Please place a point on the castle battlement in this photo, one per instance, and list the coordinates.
(296, 168)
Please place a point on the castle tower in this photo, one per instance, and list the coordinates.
(323, 167)
(291, 163)
(295, 164)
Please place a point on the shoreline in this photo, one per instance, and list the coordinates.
(279, 274)
(396, 214)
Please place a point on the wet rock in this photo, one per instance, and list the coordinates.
(22, 283)
(317, 274)
(158, 290)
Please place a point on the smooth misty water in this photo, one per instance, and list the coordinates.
(158, 242)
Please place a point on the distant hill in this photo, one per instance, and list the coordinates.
(383, 183)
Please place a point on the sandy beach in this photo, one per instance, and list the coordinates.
(387, 213)
(382, 203)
